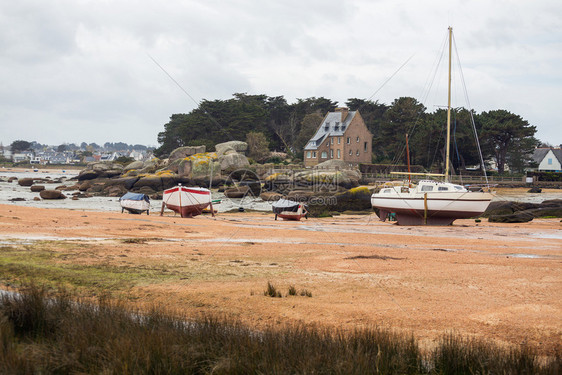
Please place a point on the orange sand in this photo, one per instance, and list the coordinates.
(501, 282)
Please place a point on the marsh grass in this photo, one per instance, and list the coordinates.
(271, 291)
(58, 334)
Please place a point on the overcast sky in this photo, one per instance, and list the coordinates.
(80, 70)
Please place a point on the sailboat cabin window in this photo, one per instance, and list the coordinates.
(442, 188)
(457, 187)
(427, 188)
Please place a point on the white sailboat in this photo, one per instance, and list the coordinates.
(432, 202)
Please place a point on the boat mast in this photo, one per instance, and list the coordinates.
(448, 109)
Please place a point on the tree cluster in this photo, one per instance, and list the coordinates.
(264, 120)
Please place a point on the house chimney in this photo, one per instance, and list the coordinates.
(344, 111)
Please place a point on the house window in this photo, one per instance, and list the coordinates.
(357, 153)
(350, 152)
(357, 139)
(308, 154)
(331, 154)
(331, 140)
(328, 143)
(339, 140)
(549, 161)
(324, 155)
(314, 154)
(348, 140)
(339, 154)
(365, 146)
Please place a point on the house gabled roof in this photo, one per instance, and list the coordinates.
(331, 126)
(540, 153)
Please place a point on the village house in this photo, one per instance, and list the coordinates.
(548, 159)
(343, 136)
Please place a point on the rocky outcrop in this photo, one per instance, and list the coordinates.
(237, 146)
(190, 165)
(100, 170)
(316, 180)
(137, 164)
(183, 152)
(518, 212)
(270, 196)
(233, 161)
(237, 192)
(51, 194)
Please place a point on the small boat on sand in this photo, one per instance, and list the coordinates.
(187, 201)
(289, 210)
(135, 203)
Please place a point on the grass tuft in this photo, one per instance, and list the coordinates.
(271, 291)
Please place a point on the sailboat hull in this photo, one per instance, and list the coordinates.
(186, 201)
(430, 208)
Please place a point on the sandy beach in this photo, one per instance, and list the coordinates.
(501, 282)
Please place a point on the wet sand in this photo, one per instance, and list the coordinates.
(501, 282)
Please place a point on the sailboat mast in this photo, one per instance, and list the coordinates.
(449, 109)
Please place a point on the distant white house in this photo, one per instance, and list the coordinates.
(23, 156)
(548, 159)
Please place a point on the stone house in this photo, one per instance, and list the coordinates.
(343, 136)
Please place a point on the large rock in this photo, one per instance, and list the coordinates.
(155, 183)
(84, 186)
(200, 166)
(37, 188)
(137, 164)
(237, 146)
(25, 181)
(151, 166)
(51, 194)
(86, 175)
(183, 152)
(100, 169)
(237, 192)
(270, 196)
(333, 164)
(232, 162)
(126, 182)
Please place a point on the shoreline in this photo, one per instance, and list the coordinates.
(487, 280)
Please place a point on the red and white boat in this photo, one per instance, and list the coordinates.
(187, 201)
(289, 210)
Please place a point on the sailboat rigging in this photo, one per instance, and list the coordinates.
(432, 202)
